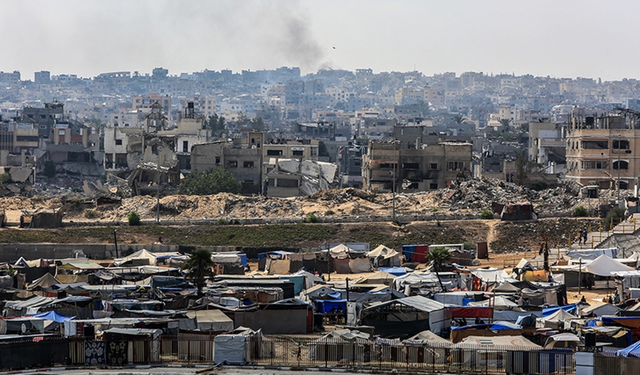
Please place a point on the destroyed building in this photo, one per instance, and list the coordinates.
(408, 164)
(242, 157)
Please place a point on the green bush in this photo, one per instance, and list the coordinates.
(434, 209)
(311, 218)
(134, 218)
(486, 214)
(579, 211)
(616, 214)
(222, 221)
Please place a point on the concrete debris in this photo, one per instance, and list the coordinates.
(467, 198)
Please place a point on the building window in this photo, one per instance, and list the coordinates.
(217, 160)
(118, 142)
(595, 145)
(433, 166)
(590, 164)
(185, 146)
(621, 144)
(456, 166)
(232, 164)
(248, 164)
(433, 186)
(411, 166)
(274, 152)
(298, 153)
(622, 163)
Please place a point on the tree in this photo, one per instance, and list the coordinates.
(459, 119)
(214, 181)
(216, 124)
(322, 149)
(49, 168)
(505, 122)
(524, 167)
(439, 256)
(198, 267)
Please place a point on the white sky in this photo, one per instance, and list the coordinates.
(567, 38)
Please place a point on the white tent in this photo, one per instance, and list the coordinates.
(141, 257)
(492, 275)
(605, 266)
(556, 320)
(385, 257)
(340, 251)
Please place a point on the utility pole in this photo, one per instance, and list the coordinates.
(619, 135)
(115, 241)
(158, 187)
(393, 187)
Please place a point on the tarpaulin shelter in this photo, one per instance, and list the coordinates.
(605, 266)
(380, 277)
(405, 316)
(415, 253)
(472, 342)
(632, 350)
(506, 287)
(562, 340)
(573, 309)
(429, 337)
(470, 312)
(53, 316)
(492, 275)
(557, 320)
(211, 320)
(383, 256)
(497, 301)
(43, 282)
(395, 271)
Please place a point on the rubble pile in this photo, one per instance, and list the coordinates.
(468, 197)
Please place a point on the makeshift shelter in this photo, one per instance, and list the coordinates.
(506, 287)
(405, 316)
(380, 277)
(211, 320)
(499, 328)
(415, 253)
(605, 266)
(139, 258)
(43, 282)
(558, 320)
(632, 350)
(563, 340)
(341, 345)
(600, 309)
(428, 337)
(497, 302)
(475, 342)
(383, 256)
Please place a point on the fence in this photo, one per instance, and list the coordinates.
(608, 364)
(292, 351)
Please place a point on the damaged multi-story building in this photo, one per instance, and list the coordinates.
(415, 161)
(603, 149)
(156, 152)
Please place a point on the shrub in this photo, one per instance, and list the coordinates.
(434, 209)
(134, 218)
(486, 214)
(311, 218)
(222, 221)
(90, 213)
(616, 214)
(579, 211)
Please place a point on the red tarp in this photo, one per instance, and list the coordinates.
(471, 312)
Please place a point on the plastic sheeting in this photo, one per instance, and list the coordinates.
(229, 349)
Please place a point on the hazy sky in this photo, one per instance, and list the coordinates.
(565, 38)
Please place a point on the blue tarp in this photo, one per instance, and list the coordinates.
(52, 315)
(326, 306)
(395, 271)
(632, 350)
(572, 309)
(495, 327)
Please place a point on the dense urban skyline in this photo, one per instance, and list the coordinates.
(560, 39)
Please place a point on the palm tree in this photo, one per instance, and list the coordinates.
(439, 256)
(198, 267)
(459, 119)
